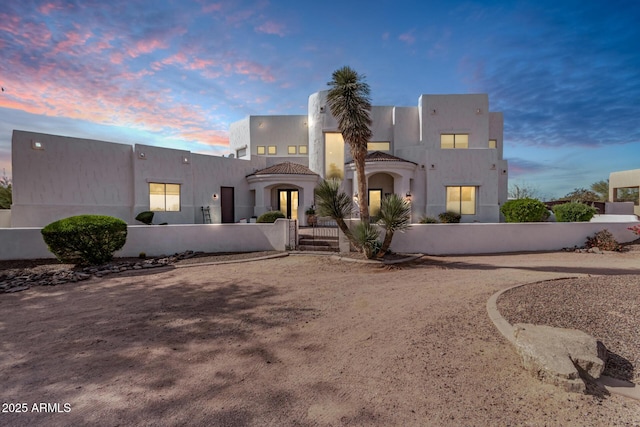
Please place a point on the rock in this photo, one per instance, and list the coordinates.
(555, 355)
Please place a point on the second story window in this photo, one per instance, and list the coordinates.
(454, 140)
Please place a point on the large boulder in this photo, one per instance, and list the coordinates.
(559, 356)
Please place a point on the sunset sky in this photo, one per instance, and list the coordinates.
(176, 73)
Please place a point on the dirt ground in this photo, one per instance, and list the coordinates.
(295, 341)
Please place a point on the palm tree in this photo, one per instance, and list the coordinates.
(349, 102)
(395, 215)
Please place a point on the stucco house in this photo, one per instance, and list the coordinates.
(445, 154)
(624, 186)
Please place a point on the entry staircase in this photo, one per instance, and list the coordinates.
(321, 237)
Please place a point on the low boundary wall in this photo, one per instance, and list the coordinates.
(155, 240)
(434, 239)
(458, 239)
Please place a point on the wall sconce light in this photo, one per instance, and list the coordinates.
(185, 160)
(493, 166)
(434, 111)
(215, 196)
(141, 155)
(479, 111)
(355, 197)
(37, 145)
(408, 196)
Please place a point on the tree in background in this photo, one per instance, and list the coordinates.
(601, 188)
(349, 102)
(581, 195)
(523, 191)
(6, 193)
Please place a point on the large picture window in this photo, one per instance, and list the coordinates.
(461, 200)
(451, 140)
(334, 155)
(164, 197)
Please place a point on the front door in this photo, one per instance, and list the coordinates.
(375, 197)
(288, 203)
(227, 205)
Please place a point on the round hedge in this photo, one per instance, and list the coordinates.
(85, 239)
(270, 216)
(574, 212)
(524, 210)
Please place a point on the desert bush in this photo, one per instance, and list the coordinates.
(604, 241)
(85, 239)
(366, 236)
(524, 210)
(573, 212)
(449, 217)
(270, 216)
(428, 220)
(145, 217)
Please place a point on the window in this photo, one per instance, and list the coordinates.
(626, 194)
(302, 149)
(292, 149)
(461, 200)
(379, 146)
(164, 197)
(493, 143)
(241, 152)
(450, 140)
(334, 155)
(261, 149)
(272, 149)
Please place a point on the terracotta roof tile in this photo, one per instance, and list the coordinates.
(379, 156)
(286, 168)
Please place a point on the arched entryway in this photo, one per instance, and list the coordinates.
(380, 185)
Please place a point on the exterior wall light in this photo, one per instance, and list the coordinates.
(37, 145)
(215, 196)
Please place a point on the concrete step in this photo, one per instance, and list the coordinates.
(316, 248)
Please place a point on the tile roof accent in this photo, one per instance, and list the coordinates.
(286, 168)
(379, 156)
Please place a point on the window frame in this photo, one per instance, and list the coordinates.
(272, 150)
(164, 196)
(454, 135)
(370, 146)
(460, 201)
(292, 149)
(261, 150)
(303, 149)
(495, 143)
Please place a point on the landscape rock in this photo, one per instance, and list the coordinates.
(556, 355)
(13, 282)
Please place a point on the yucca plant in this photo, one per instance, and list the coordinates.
(331, 201)
(395, 215)
(349, 102)
(366, 237)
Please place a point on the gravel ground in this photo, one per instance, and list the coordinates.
(605, 307)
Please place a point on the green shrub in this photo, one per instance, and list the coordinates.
(428, 220)
(524, 210)
(604, 241)
(145, 217)
(366, 235)
(270, 216)
(85, 239)
(574, 212)
(449, 217)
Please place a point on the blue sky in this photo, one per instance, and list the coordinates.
(176, 73)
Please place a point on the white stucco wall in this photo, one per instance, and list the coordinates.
(5, 218)
(156, 240)
(240, 137)
(68, 176)
(458, 239)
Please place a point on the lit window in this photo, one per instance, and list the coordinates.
(164, 197)
(241, 152)
(493, 143)
(292, 149)
(302, 149)
(261, 149)
(379, 146)
(272, 149)
(449, 140)
(461, 200)
(626, 194)
(334, 155)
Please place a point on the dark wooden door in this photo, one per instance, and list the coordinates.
(227, 205)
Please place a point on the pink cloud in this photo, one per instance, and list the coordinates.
(213, 7)
(26, 33)
(254, 70)
(72, 40)
(271, 27)
(146, 46)
(407, 37)
(46, 8)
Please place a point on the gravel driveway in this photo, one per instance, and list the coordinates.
(295, 341)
